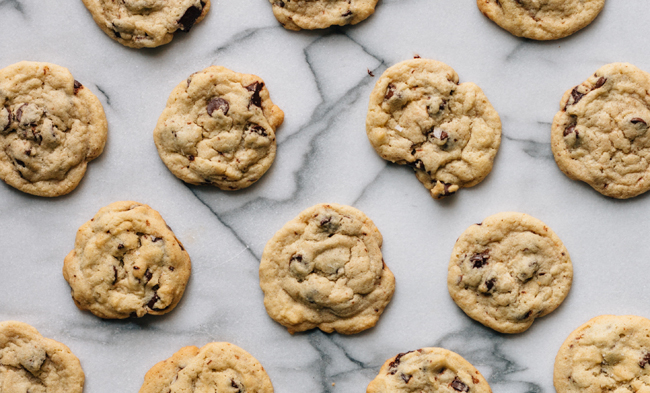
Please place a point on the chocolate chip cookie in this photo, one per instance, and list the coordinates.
(428, 370)
(219, 128)
(541, 19)
(32, 363)
(218, 366)
(51, 126)
(600, 135)
(609, 353)
(146, 23)
(127, 262)
(421, 116)
(319, 14)
(509, 270)
(325, 269)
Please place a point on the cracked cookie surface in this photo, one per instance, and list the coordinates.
(127, 262)
(217, 366)
(448, 132)
(541, 19)
(146, 23)
(325, 269)
(32, 363)
(51, 126)
(600, 135)
(609, 353)
(319, 14)
(428, 370)
(219, 128)
(509, 270)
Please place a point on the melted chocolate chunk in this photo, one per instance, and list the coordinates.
(120, 246)
(406, 378)
(600, 82)
(392, 366)
(644, 360)
(296, 258)
(348, 13)
(279, 3)
(525, 316)
(570, 129)
(576, 95)
(490, 283)
(638, 120)
(325, 221)
(148, 275)
(155, 239)
(390, 91)
(20, 163)
(115, 274)
(418, 164)
(255, 98)
(234, 385)
(191, 157)
(155, 297)
(258, 130)
(171, 268)
(459, 386)
(77, 86)
(190, 16)
(480, 259)
(446, 192)
(19, 113)
(218, 103)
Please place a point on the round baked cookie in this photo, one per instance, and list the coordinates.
(127, 262)
(218, 128)
(50, 127)
(218, 366)
(600, 135)
(324, 269)
(609, 353)
(448, 132)
(319, 14)
(509, 270)
(146, 23)
(541, 19)
(32, 363)
(428, 370)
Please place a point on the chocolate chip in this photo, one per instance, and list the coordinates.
(155, 239)
(525, 316)
(443, 135)
(570, 129)
(218, 103)
(576, 95)
(390, 91)
(490, 283)
(280, 3)
(20, 163)
(348, 13)
(190, 157)
(446, 192)
(115, 273)
(600, 82)
(638, 120)
(234, 385)
(19, 113)
(258, 130)
(148, 275)
(9, 117)
(77, 86)
(392, 366)
(480, 259)
(418, 164)
(120, 246)
(644, 360)
(325, 221)
(406, 378)
(459, 386)
(171, 268)
(153, 300)
(296, 258)
(255, 98)
(189, 17)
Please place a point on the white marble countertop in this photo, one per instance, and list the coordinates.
(321, 82)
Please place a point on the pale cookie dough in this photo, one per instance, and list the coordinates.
(319, 14)
(448, 132)
(218, 128)
(127, 262)
(31, 363)
(609, 353)
(51, 126)
(146, 23)
(509, 270)
(600, 135)
(324, 269)
(428, 370)
(218, 366)
(541, 19)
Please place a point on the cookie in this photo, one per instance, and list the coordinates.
(146, 23)
(219, 128)
(127, 262)
(221, 367)
(541, 19)
(448, 132)
(324, 269)
(319, 14)
(51, 126)
(509, 270)
(609, 353)
(600, 135)
(428, 370)
(32, 363)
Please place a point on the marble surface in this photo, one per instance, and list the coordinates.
(321, 81)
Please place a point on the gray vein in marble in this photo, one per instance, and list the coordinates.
(15, 4)
(532, 148)
(108, 99)
(239, 38)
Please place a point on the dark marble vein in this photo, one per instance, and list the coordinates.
(15, 4)
(532, 148)
(108, 99)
